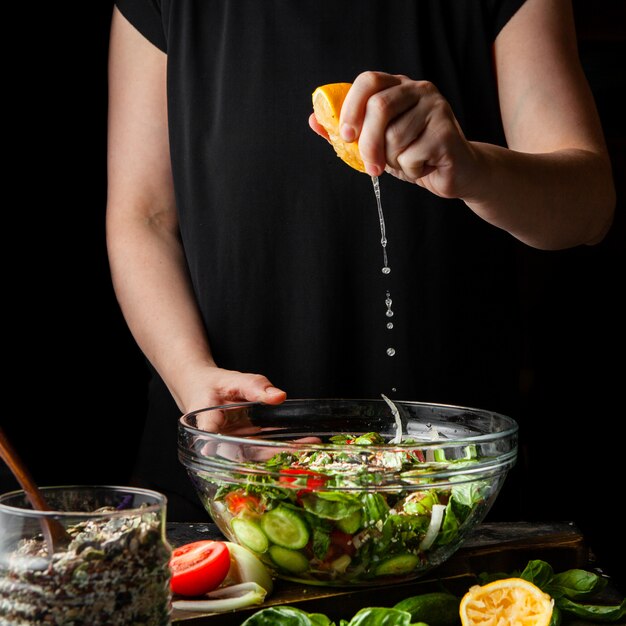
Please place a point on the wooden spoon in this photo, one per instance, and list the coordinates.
(54, 533)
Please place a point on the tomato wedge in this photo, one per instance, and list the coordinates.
(313, 480)
(199, 567)
(238, 501)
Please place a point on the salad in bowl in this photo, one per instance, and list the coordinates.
(348, 492)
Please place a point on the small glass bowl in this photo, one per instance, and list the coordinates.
(323, 510)
(115, 570)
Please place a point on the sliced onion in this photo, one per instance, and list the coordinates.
(225, 599)
(396, 416)
(246, 567)
(436, 517)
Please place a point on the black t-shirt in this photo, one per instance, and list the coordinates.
(282, 238)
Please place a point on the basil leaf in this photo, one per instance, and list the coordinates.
(317, 619)
(575, 583)
(594, 612)
(380, 616)
(330, 504)
(321, 541)
(539, 573)
(286, 616)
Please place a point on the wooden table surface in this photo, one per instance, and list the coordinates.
(492, 547)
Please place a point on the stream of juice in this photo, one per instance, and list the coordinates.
(386, 268)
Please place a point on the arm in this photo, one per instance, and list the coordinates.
(557, 176)
(145, 253)
(552, 187)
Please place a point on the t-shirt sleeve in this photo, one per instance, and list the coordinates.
(145, 16)
(503, 11)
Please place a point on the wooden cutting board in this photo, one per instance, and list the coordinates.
(493, 547)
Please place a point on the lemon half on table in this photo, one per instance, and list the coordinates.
(327, 102)
(506, 601)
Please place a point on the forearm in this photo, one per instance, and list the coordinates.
(548, 201)
(154, 292)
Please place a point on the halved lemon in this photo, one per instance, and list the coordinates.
(327, 103)
(505, 602)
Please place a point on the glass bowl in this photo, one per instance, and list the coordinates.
(345, 492)
(114, 571)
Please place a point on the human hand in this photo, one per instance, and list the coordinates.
(407, 128)
(213, 386)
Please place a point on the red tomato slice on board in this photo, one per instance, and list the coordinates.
(199, 567)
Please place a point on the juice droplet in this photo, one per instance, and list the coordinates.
(386, 270)
(389, 325)
(391, 351)
(388, 302)
(394, 389)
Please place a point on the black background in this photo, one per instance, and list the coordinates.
(75, 382)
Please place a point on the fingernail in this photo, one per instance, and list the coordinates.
(347, 132)
(371, 169)
(272, 390)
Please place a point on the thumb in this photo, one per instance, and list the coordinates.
(272, 395)
(260, 389)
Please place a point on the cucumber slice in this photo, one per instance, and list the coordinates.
(397, 565)
(350, 524)
(285, 528)
(250, 535)
(289, 560)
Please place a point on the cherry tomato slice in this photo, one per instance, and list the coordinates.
(238, 501)
(314, 480)
(199, 567)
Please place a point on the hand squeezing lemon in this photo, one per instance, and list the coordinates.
(327, 103)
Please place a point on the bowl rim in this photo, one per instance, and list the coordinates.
(159, 504)
(511, 430)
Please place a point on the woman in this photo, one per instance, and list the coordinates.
(246, 257)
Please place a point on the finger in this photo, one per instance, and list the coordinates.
(403, 131)
(387, 97)
(238, 387)
(383, 108)
(352, 113)
(259, 389)
(317, 127)
(210, 421)
(438, 149)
